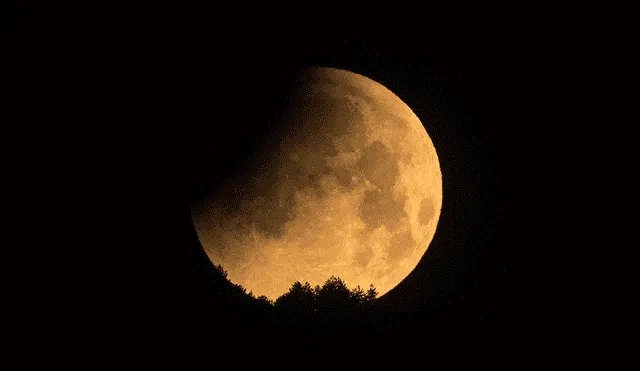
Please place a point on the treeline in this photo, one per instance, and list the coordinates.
(334, 292)
(323, 316)
(215, 315)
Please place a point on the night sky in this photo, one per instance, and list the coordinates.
(169, 103)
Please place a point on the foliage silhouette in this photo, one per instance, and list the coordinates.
(327, 317)
(323, 316)
(371, 294)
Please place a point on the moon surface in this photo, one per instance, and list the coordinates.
(351, 187)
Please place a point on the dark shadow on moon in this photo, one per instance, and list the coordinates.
(319, 116)
(322, 77)
(312, 123)
(268, 215)
(320, 112)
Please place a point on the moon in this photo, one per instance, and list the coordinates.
(350, 186)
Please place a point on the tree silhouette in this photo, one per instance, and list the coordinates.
(334, 291)
(300, 298)
(219, 271)
(295, 309)
(371, 294)
(264, 299)
(358, 294)
(326, 316)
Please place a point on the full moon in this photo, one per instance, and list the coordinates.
(351, 187)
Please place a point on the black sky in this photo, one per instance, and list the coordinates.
(164, 103)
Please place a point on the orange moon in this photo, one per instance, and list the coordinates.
(352, 187)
